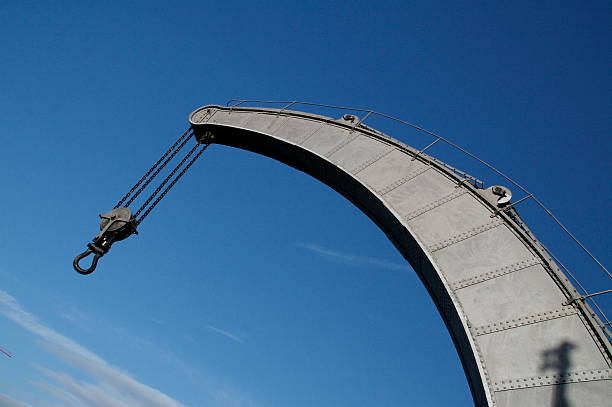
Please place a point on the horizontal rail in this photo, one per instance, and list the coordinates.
(438, 138)
(582, 298)
(234, 103)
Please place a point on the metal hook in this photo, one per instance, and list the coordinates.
(91, 248)
(115, 225)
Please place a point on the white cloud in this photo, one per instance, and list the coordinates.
(11, 309)
(82, 394)
(6, 401)
(110, 387)
(351, 258)
(97, 377)
(225, 333)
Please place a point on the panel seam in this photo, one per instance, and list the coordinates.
(524, 320)
(401, 181)
(349, 139)
(502, 271)
(371, 161)
(552, 379)
(312, 134)
(276, 118)
(465, 235)
(432, 205)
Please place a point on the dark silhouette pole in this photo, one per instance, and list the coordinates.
(558, 359)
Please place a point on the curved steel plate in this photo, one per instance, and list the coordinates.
(498, 292)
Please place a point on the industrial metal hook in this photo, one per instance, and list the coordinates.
(91, 248)
(115, 225)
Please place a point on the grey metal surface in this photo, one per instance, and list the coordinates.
(501, 296)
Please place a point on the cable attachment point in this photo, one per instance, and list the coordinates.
(115, 225)
(206, 137)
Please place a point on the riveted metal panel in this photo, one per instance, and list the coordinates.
(521, 351)
(489, 275)
(418, 192)
(486, 252)
(525, 319)
(387, 172)
(230, 117)
(452, 222)
(578, 394)
(297, 130)
(357, 152)
(498, 293)
(513, 295)
(265, 122)
(323, 141)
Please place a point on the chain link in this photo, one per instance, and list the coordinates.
(174, 181)
(126, 196)
(161, 167)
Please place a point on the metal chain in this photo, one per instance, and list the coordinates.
(174, 181)
(161, 167)
(126, 196)
(161, 185)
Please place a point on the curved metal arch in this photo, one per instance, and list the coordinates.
(500, 295)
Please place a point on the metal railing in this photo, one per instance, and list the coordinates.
(585, 296)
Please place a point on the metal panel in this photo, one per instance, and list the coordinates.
(489, 251)
(578, 394)
(296, 131)
(500, 296)
(358, 153)
(383, 175)
(324, 141)
(266, 122)
(230, 117)
(520, 352)
(524, 292)
(419, 192)
(453, 222)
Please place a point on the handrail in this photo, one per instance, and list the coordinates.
(233, 103)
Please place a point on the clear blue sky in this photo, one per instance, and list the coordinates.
(253, 285)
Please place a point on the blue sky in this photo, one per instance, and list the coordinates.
(251, 284)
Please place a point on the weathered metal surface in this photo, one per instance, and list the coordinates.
(501, 297)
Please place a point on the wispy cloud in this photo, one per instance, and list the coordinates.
(109, 387)
(96, 376)
(352, 258)
(225, 333)
(10, 308)
(6, 401)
